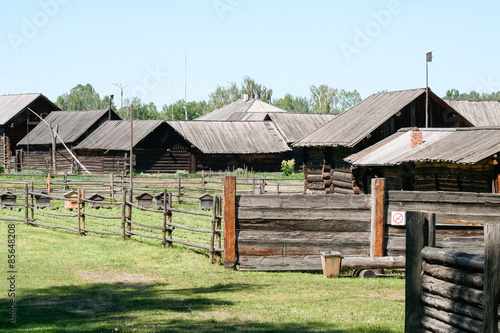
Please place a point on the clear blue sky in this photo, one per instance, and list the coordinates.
(49, 46)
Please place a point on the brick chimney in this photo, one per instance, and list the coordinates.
(416, 137)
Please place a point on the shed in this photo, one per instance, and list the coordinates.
(98, 199)
(439, 159)
(70, 204)
(8, 199)
(245, 109)
(159, 200)
(144, 200)
(42, 199)
(16, 121)
(363, 125)
(43, 151)
(206, 201)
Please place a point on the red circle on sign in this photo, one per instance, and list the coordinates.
(397, 218)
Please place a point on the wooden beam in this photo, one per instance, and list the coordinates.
(377, 217)
(491, 292)
(229, 222)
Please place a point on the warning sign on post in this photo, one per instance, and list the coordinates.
(398, 218)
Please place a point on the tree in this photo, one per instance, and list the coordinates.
(142, 111)
(454, 93)
(323, 98)
(82, 97)
(194, 110)
(347, 99)
(224, 95)
(292, 104)
(255, 90)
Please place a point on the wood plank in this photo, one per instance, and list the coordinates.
(304, 201)
(330, 224)
(444, 197)
(452, 209)
(464, 323)
(229, 222)
(263, 214)
(452, 291)
(491, 277)
(455, 258)
(451, 306)
(377, 217)
(457, 276)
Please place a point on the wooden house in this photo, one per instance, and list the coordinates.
(144, 200)
(206, 201)
(245, 109)
(159, 200)
(363, 125)
(8, 199)
(42, 199)
(16, 121)
(43, 151)
(434, 159)
(97, 200)
(227, 145)
(478, 112)
(72, 202)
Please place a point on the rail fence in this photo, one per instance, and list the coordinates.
(193, 228)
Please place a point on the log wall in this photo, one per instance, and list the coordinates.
(278, 232)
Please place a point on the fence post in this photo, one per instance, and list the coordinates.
(219, 226)
(124, 212)
(179, 191)
(48, 183)
(129, 215)
(491, 290)
(378, 217)
(170, 228)
(418, 225)
(78, 205)
(164, 231)
(32, 202)
(82, 211)
(203, 180)
(65, 180)
(26, 204)
(230, 222)
(112, 186)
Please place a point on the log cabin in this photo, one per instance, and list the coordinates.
(16, 121)
(363, 125)
(434, 159)
(42, 151)
(478, 112)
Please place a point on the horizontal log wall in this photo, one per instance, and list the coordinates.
(162, 160)
(277, 232)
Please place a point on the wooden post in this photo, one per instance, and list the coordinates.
(79, 212)
(82, 211)
(491, 290)
(170, 228)
(219, 226)
(212, 234)
(129, 214)
(48, 183)
(264, 183)
(54, 148)
(112, 186)
(26, 204)
(32, 202)
(378, 219)
(253, 183)
(164, 232)
(65, 180)
(230, 222)
(179, 191)
(203, 180)
(278, 188)
(124, 212)
(417, 237)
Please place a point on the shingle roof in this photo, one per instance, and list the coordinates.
(12, 105)
(72, 125)
(219, 137)
(115, 134)
(478, 112)
(454, 145)
(295, 126)
(252, 105)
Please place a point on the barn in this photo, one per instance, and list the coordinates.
(223, 145)
(43, 151)
(478, 112)
(434, 159)
(363, 125)
(16, 121)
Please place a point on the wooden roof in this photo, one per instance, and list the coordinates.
(478, 112)
(224, 137)
(72, 125)
(252, 105)
(115, 134)
(352, 126)
(452, 145)
(12, 105)
(295, 126)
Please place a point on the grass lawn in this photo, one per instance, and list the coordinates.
(71, 283)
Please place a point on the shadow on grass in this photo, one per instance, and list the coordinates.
(121, 307)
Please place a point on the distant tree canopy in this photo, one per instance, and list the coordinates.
(292, 104)
(82, 97)
(231, 93)
(141, 110)
(454, 93)
(176, 110)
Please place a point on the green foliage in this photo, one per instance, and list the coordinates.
(176, 111)
(454, 93)
(288, 167)
(142, 111)
(82, 97)
(182, 173)
(2, 170)
(292, 104)
(326, 99)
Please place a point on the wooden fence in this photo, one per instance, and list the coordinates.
(287, 232)
(159, 225)
(451, 290)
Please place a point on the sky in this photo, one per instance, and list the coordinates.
(161, 51)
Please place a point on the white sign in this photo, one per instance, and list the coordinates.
(398, 218)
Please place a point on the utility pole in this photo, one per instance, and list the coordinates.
(131, 151)
(121, 86)
(428, 59)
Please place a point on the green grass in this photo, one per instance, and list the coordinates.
(71, 283)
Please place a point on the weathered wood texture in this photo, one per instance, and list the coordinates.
(230, 255)
(278, 232)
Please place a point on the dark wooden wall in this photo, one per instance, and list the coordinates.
(257, 162)
(163, 160)
(286, 232)
(98, 162)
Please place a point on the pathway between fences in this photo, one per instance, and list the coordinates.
(157, 220)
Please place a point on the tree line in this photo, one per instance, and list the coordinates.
(323, 99)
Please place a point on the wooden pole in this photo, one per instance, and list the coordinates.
(65, 180)
(26, 204)
(219, 226)
(212, 234)
(230, 222)
(491, 292)
(124, 212)
(131, 160)
(32, 202)
(278, 188)
(203, 180)
(170, 228)
(129, 216)
(48, 183)
(417, 237)
(179, 191)
(378, 217)
(78, 205)
(112, 186)
(82, 203)
(164, 231)
(54, 160)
